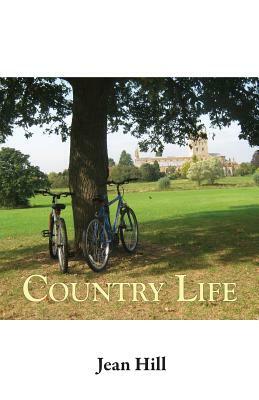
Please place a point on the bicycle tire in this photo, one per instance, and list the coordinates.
(53, 250)
(123, 228)
(91, 239)
(63, 248)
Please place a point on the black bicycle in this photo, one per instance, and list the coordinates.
(57, 232)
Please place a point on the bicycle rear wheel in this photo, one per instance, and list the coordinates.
(96, 245)
(129, 230)
(62, 246)
(53, 249)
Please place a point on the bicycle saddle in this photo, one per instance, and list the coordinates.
(58, 206)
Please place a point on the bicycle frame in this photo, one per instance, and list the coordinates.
(103, 214)
(55, 214)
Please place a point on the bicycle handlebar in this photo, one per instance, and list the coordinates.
(48, 193)
(122, 182)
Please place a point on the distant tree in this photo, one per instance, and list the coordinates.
(172, 172)
(18, 178)
(256, 177)
(125, 159)
(196, 172)
(213, 169)
(59, 179)
(159, 153)
(245, 169)
(156, 170)
(184, 169)
(124, 172)
(149, 172)
(255, 159)
(111, 162)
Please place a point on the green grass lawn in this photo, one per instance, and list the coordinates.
(210, 234)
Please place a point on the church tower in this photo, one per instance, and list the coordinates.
(199, 148)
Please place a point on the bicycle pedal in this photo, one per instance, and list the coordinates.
(45, 233)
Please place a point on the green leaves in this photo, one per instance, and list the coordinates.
(168, 110)
(125, 159)
(154, 110)
(18, 178)
(30, 102)
(210, 170)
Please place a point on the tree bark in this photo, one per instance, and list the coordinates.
(88, 166)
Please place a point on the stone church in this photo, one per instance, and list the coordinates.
(198, 148)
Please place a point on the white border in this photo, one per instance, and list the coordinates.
(206, 360)
(53, 360)
(129, 38)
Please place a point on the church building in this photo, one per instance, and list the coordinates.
(197, 148)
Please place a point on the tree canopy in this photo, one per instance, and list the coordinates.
(155, 110)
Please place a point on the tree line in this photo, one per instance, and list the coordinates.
(19, 179)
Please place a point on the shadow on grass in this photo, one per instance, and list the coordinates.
(194, 241)
(197, 241)
(23, 258)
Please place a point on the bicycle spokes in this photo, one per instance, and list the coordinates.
(97, 245)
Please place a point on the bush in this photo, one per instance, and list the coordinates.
(245, 169)
(173, 173)
(18, 178)
(164, 183)
(256, 177)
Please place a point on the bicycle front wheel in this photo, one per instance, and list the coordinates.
(129, 230)
(62, 246)
(96, 245)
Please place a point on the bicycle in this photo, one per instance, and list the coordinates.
(57, 232)
(101, 234)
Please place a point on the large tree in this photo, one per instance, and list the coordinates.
(155, 110)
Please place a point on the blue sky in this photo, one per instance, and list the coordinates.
(50, 154)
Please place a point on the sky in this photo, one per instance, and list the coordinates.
(50, 154)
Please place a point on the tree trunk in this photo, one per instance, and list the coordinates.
(88, 166)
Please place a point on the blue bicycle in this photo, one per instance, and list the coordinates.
(100, 234)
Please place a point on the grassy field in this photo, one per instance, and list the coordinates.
(210, 235)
